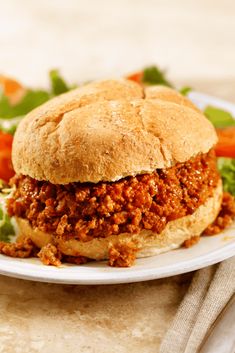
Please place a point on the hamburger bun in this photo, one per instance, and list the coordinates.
(107, 130)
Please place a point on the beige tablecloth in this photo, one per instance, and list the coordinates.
(212, 288)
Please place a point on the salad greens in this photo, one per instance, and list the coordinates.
(9, 125)
(10, 115)
(152, 75)
(185, 90)
(226, 168)
(219, 117)
(6, 227)
(222, 119)
(31, 100)
(58, 84)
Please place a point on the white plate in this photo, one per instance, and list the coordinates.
(208, 251)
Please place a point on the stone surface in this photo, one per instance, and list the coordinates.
(39, 317)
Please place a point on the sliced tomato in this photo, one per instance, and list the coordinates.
(226, 145)
(6, 168)
(137, 77)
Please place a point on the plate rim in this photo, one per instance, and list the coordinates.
(208, 259)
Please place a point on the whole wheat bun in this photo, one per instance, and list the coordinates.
(108, 130)
(148, 243)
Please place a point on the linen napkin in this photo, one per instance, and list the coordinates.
(210, 291)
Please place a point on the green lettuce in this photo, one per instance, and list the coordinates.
(7, 230)
(226, 168)
(58, 84)
(9, 125)
(185, 90)
(152, 75)
(31, 100)
(10, 115)
(219, 117)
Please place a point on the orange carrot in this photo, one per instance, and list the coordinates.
(226, 144)
(12, 89)
(137, 77)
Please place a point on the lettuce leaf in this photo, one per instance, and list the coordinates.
(219, 117)
(31, 100)
(9, 125)
(7, 230)
(185, 90)
(58, 84)
(226, 168)
(152, 75)
(10, 115)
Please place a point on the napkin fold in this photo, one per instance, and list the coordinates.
(210, 291)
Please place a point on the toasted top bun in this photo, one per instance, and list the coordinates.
(108, 130)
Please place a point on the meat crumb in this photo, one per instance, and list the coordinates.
(122, 255)
(50, 255)
(225, 216)
(190, 242)
(22, 249)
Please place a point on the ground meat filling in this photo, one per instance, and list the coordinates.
(21, 249)
(86, 211)
(225, 217)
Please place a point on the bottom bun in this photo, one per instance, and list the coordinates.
(147, 242)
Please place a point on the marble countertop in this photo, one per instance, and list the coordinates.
(100, 39)
(39, 317)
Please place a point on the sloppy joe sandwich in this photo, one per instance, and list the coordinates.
(114, 171)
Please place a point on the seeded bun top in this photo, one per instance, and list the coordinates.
(108, 130)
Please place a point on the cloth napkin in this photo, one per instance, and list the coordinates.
(210, 291)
